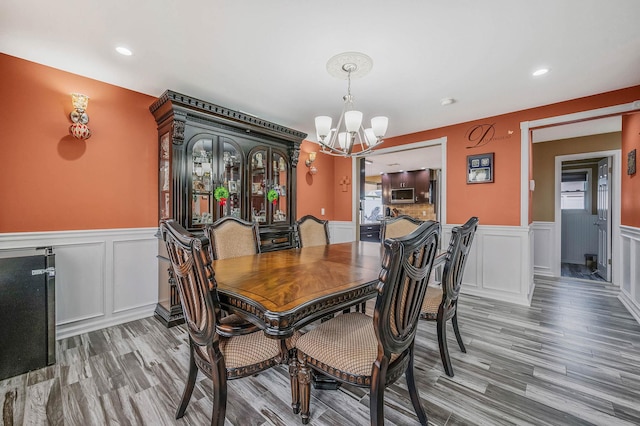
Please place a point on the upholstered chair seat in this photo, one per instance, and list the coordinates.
(431, 303)
(347, 344)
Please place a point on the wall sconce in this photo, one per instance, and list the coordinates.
(309, 162)
(79, 128)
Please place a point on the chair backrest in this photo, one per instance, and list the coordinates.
(312, 231)
(457, 253)
(191, 262)
(398, 227)
(406, 265)
(233, 237)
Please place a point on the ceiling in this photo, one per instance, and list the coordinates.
(268, 58)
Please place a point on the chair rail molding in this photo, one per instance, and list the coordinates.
(103, 277)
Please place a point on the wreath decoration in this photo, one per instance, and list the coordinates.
(272, 196)
(221, 194)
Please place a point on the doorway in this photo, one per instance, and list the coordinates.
(429, 154)
(585, 237)
(585, 204)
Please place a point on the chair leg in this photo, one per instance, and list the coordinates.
(188, 387)
(413, 391)
(219, 377)
(376, 395)
(304, 384)
(295, 388)
(442, 343)
(454, 322)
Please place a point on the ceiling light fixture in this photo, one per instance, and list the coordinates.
(349, 132)
(446, 101)
(124, 51)
(541, 71)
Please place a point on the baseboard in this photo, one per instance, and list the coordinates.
(75, 328)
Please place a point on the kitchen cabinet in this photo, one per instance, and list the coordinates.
(370, 232)
(216, 162)
(417, 179)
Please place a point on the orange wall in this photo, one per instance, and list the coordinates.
(498, 203)
(51, 181)
(630, 183)
(324, 190)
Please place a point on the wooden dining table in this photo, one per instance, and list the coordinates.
(281, 291)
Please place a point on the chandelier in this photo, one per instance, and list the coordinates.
(349, 133)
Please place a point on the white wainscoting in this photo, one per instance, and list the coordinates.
(342, 232)
(103, 277)
(499, 264)
(630, 265)
(544, 249)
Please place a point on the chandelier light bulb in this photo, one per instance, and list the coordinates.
(352, 121)
(379, 126)
(323, 126)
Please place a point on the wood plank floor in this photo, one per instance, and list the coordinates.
(572, 358)
(574, 270)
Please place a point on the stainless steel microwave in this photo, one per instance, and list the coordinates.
(402, 196)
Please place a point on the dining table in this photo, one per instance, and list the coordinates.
(282, 291)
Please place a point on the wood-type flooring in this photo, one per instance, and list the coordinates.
(572, 358)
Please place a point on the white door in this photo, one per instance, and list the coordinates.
(604, 223)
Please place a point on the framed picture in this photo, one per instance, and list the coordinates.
(631, 162)
(233, 187)
(480, 168)
(256, 188)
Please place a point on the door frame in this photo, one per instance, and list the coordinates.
(355, 193)
(615, 181)
(526, 128)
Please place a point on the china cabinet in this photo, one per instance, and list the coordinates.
(216, 162)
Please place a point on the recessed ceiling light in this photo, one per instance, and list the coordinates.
(446, 101)
(124, 51)
(541, 71)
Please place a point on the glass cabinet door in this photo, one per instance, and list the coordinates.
(164, 176)
(278, 183)
(230, 178)
(201, 183)
(258, 176)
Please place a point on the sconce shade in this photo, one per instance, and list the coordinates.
(79, 101)
(80, 131)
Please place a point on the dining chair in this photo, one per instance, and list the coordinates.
(233, 237)
(312, 231)
(214, 349)
(441, 303)
(374, 351)
(398, 227)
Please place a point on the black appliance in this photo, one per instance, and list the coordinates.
(27, 310)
